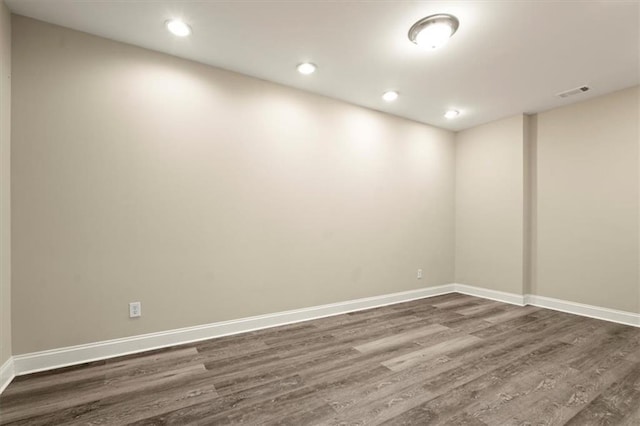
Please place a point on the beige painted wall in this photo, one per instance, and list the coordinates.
(587, 204)
(5, 183)
(489, 205)
(204, 194)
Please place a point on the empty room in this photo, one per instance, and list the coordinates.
(318, 212)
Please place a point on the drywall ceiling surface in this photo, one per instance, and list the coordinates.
(506, 58)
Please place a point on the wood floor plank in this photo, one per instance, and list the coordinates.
(398, 339)
(515, 396)
(450, 359)
(560, 398)
(438, 316)
(29, 407)
(220, 408)
(445, 406)
(618, 403)
(512, 312)
(405, 361)
(122, 408)
(413, 386)
(84, 375)
(480, 308)
(441, 374)
(457, 304)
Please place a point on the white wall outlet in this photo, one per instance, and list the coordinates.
(135, 310)
(419, 276)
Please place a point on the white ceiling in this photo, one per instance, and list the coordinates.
(507, 57)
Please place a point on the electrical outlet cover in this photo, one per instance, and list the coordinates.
(135, 309)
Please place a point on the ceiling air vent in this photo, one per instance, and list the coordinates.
(572, 92)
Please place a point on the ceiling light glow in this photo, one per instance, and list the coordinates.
(452, 113)
(306, 68)
(434, 36)
(434, 31)
(390, 96)
(178, 28)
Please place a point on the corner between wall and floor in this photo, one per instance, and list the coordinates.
(63, 357)
(118, 195)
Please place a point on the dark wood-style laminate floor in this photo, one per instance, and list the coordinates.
(450, 360)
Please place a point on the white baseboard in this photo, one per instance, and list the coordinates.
(62, 357)
(72, 355)
(7, 373)
(597, 312)
(500, 296)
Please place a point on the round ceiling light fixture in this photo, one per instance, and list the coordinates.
(390, 96)
(452, 113)
(434, 30)
(178, 27)
(306, 68)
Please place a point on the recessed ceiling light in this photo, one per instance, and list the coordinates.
(390, 96)
(177, 27)
(306, 68)
(434, 30)
(452, 113)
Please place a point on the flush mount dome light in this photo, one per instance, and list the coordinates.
(178, 27)
(434, 30)
(306, 68)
